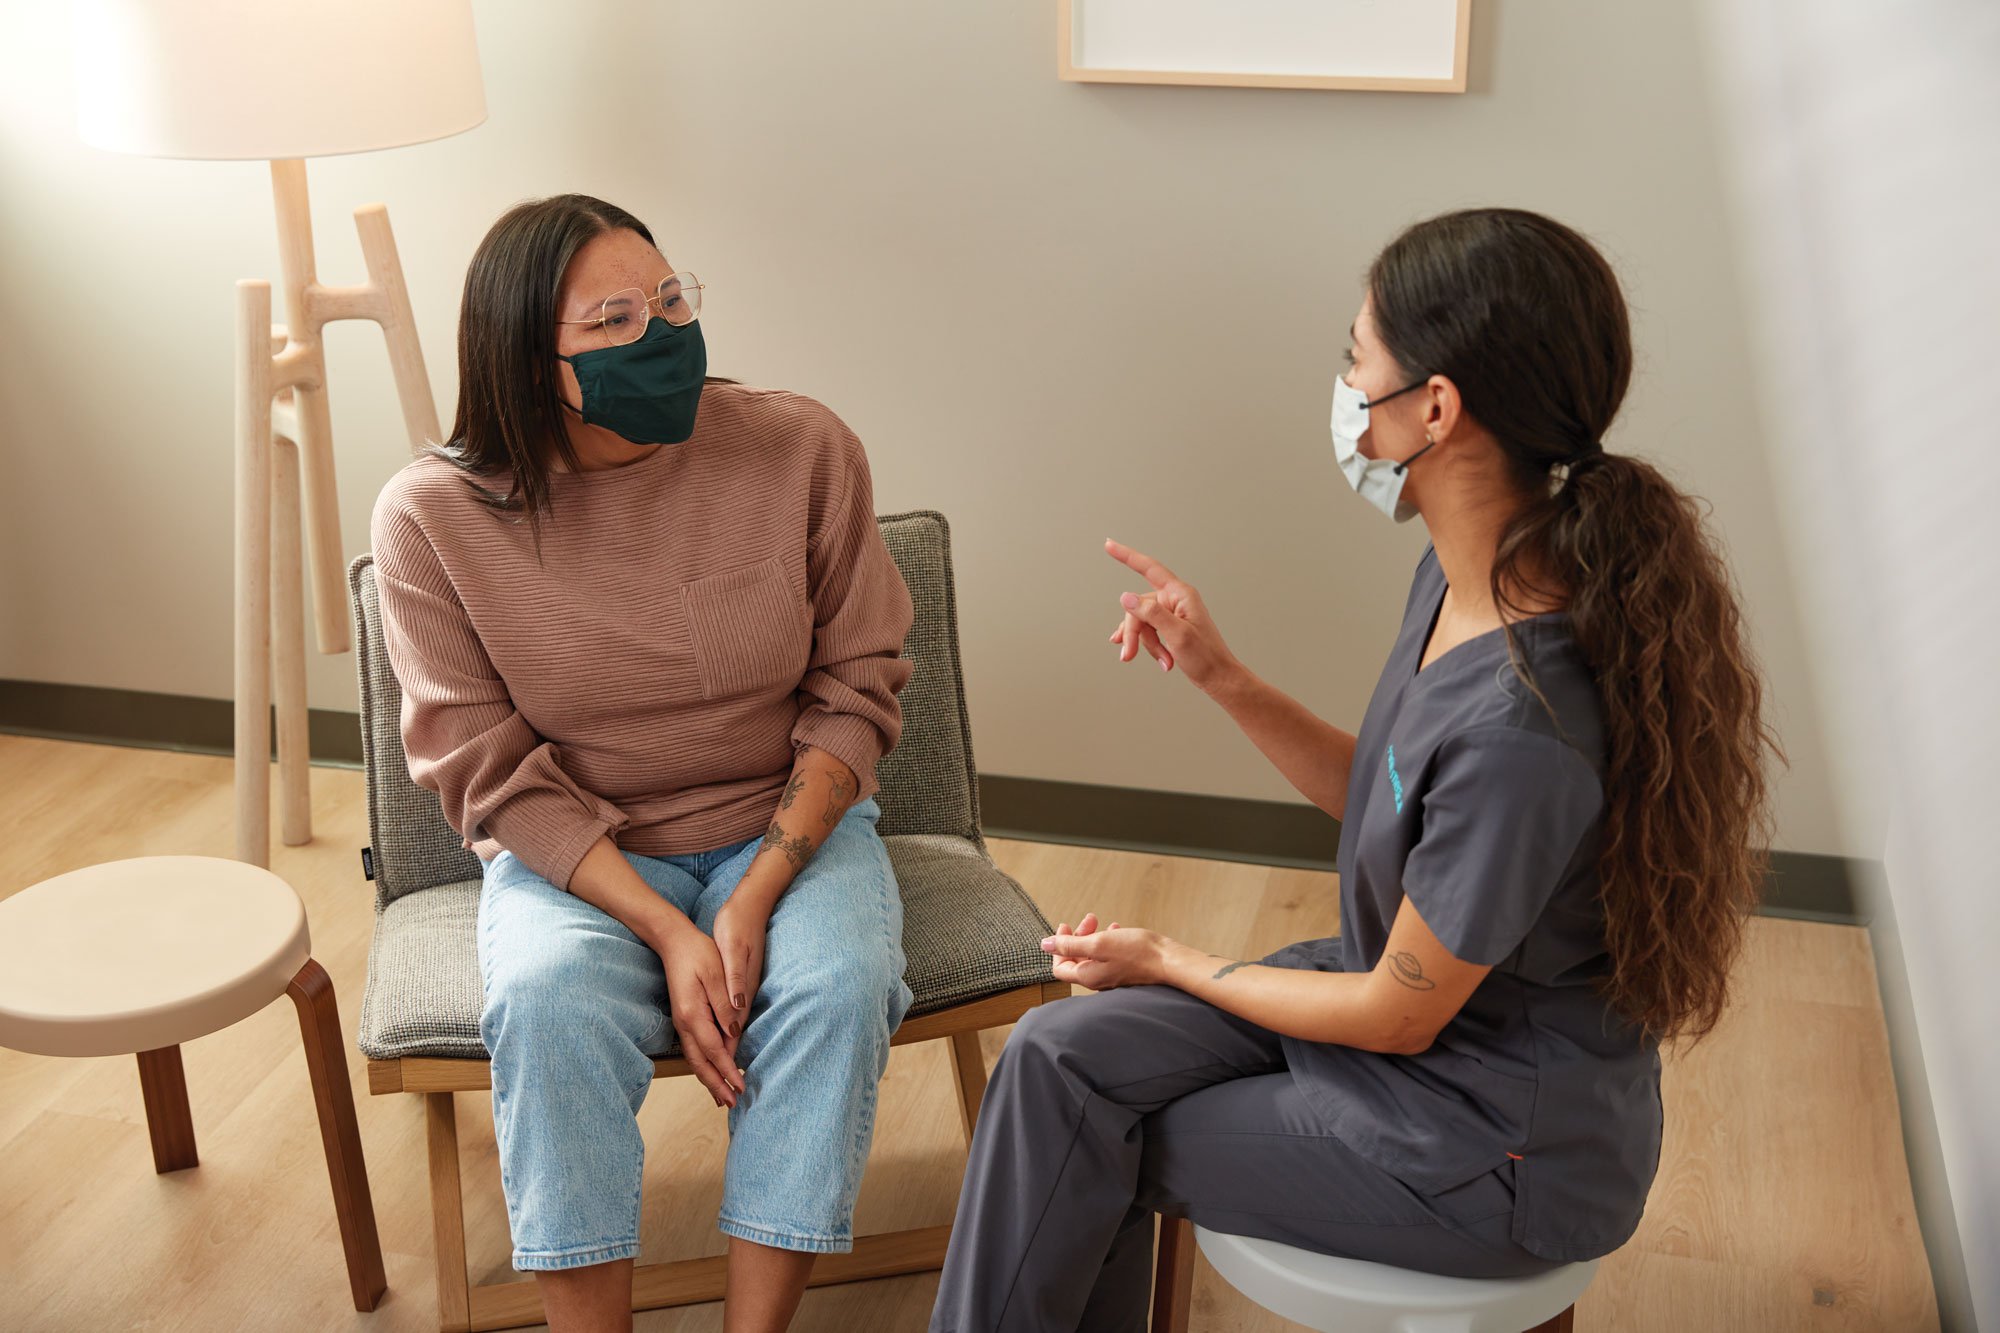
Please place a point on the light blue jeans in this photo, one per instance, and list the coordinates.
(576, 1011)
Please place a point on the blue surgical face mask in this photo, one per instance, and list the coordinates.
(1379, 481)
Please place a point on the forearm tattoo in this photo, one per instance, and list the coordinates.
(1410, 972)
(792, 790)
(798, 848)
(1227, 970)
(837, 799)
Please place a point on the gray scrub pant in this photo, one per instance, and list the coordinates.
(1104, 1109)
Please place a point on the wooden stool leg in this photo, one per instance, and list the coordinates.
(326, 1057)
(1562, 1323)
(164, 1088)
(1173, 1278)
(968, 1069)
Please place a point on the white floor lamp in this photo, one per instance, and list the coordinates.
(284, 81)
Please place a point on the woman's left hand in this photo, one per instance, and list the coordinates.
(1114, 956)
(740, 924)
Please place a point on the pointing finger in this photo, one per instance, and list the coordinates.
(1139, 563)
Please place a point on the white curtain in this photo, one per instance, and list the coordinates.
(1863, 139)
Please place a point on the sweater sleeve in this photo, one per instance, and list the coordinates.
(465, 740)
(861, 614)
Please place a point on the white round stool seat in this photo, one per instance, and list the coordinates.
(1325, 1291)
(145, 953)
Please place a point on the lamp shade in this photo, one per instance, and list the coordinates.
(274, 78)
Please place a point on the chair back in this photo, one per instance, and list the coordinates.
(929, 784)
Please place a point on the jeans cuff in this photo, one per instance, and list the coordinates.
(544, 1261)
(785, 1240)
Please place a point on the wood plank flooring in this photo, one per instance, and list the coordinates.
(1782, 1201)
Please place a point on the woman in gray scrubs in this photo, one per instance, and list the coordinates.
(1553, 818)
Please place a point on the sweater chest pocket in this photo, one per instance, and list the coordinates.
(751, 632)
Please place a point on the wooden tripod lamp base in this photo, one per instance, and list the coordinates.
(285, 489)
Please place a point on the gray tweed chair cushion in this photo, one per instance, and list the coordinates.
(968, 929)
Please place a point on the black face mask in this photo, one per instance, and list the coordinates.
(646, 391)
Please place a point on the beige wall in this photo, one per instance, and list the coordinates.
(1055, 312)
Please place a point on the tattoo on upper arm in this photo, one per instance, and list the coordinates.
(798, 848)
(792, 790)
(836, 800)
(1410, 972)
(1225, 971)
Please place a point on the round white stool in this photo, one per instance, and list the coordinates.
(1324, 1291)
(139, 956)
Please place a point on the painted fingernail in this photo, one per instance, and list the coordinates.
(736, 1000)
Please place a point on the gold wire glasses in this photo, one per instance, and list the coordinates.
(623, 315)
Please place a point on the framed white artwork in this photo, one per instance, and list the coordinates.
(1384, 45)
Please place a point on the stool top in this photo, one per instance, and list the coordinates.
(1328, 1291)
(139, 954)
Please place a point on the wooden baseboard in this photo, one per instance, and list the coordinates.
(1224, 828)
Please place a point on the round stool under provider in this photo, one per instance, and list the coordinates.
(1324, 1291)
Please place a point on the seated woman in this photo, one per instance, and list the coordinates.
(649, 641)
(1552, 822)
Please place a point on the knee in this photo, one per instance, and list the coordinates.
(859, 994)
(1050, 1032)
(545, 1001)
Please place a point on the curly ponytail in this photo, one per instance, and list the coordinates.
(1527, 320)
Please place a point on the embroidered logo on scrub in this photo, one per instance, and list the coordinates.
(1395, 781)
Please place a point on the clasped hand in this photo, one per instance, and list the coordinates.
(1114, 956)
(710, 984)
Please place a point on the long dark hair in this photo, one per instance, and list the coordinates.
(1526, 318)
(509, 416)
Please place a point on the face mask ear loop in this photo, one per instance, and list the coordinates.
(1404, 466)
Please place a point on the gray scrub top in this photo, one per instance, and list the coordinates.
(1467, 798)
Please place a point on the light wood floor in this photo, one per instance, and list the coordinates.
(1782, 1200)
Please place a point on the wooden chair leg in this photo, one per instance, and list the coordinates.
(1562, 1323)
(968, 1070)
(447, 1214)
(326, 1058)
(1173, 1276)
(163, 1085)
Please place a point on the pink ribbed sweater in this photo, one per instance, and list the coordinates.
(696, 616)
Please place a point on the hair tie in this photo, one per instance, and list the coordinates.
(1583, 455)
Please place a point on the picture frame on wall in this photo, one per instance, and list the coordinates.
(1417, 46)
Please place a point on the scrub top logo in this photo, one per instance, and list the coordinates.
(1395, 781)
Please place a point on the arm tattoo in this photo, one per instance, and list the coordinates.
(798, 849)
(792, 790)
(1410, 972)
(1227, 970)
(836, 800)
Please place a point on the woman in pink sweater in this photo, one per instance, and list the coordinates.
(649, 642)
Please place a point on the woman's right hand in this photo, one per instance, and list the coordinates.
(698, 1002)
(1170, 622)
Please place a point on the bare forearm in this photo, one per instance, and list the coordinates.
(1346, 1008)
(821, 790)
(1314, 755)
(605, 879)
